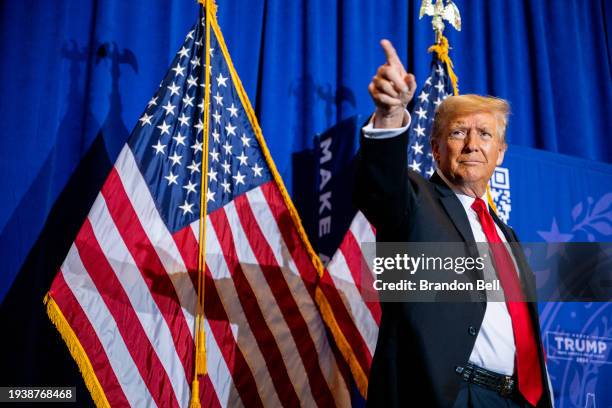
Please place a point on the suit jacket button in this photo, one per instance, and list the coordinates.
(472, 330)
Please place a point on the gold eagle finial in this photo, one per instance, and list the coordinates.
(439, 13)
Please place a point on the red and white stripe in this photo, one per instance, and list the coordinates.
(347, 279)
(127, 289)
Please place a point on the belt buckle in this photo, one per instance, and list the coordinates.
(507, 387)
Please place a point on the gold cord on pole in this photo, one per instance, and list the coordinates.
(200, 335)
(441, 49)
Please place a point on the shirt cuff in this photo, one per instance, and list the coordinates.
(370, 132)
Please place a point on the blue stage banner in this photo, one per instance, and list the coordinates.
(548, 197)
(326, 180)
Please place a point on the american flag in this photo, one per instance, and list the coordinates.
(125, 297)
(357, 316)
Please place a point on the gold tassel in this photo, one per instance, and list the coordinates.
(441, 49)
(201, 353)
(195, 394)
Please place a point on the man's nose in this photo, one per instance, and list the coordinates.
(471, 141)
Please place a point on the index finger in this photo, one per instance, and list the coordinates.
(391, 54)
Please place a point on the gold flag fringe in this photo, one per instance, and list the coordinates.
(76, 351)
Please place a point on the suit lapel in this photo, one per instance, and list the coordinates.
(453, 208)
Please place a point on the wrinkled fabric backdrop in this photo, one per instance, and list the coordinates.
(76, 75)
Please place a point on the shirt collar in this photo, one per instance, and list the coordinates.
(466, 200)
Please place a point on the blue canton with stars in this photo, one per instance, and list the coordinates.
(436, 88)
(167, 141)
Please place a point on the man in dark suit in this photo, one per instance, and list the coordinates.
(478, 354)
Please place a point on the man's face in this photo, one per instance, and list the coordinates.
(468, 151)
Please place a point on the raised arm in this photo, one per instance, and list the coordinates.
(382, 191)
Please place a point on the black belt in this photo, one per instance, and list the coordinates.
(505, 385)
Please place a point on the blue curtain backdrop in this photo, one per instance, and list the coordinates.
(76, 75)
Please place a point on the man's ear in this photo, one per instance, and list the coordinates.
(435, 150)
(502, 152)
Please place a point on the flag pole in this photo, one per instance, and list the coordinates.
(200, 335)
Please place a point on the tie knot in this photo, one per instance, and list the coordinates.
(479, 206)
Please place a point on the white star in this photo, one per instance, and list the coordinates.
(169, 108)
(153, 101)
(440, 86)
(195, 62)
(190, 187)
(226, 167)
(199, 126)
(214, 154)
(437, 102)
(227, 147)
(186, 207)
(419, 130)
(197, 146)
(418, 148)
(201, 105)
(243, 159)
(173, 89)
(183, 52)
(159, 147)
(233, 110)
(439, 70)
(226, 186)
(188, 100)
(146, 119)
(430, 171)
(178, 70)
(428, 81)
(210, 195)
(221, 80)
(210, 52)
(422, 113)
(180, 139)
(239, 178)
(175, 158)
(212, 175)
(423, 96)
(192, 81)
(257, 170)
(171, 178)
(184, 119)
(199, 42)
(218, 98)
(245, 140)
(416, 166)
(231, 130)
(216, 136)
(193, 167)
(164, 128)
(190, 34)
(217, 117)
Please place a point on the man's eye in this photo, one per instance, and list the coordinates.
(486, 135)
(458, 133)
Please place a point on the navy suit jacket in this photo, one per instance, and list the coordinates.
(420, 345)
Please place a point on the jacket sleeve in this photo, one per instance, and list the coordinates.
(382, 188)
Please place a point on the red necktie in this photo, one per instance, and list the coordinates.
(527, 362)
